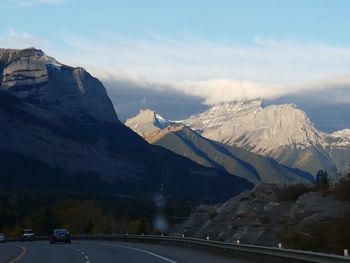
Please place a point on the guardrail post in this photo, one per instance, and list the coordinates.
(346, 253)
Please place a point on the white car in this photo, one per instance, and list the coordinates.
(2, 238)
(27, 234)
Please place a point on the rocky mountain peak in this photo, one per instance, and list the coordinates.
(275, 125)
(41, 80)
(146, 115)
(146, 122)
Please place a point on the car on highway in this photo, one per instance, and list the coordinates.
(60, 235)
(27, 235)
(2, 238)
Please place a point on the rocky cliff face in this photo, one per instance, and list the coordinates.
(41, 80)
(260, 216)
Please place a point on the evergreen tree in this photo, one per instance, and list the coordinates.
(48, 222)
(322, 179)
(89, 227)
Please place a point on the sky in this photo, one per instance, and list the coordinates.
(180, 57)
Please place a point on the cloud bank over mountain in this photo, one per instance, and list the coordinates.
(212, 71)
(221, 71)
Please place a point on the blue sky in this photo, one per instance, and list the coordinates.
(240, 21)
(205, 52)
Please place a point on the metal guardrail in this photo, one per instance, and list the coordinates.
(250, 252)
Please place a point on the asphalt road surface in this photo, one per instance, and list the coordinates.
(103, 252)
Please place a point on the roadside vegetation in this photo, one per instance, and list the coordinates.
(80, 214)
(292, 192)
(331, 235)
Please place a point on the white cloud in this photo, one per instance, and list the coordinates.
(15, 39)
(144, 101)
(225, 90)
(52, 2)
(212, 70)
(20, 4)
(30, 3)
(218, 71)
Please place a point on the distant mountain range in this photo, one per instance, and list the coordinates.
(277, 144)
(282, 132)
(180, 139)
(59, 131)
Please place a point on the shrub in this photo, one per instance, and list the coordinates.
(341, 190)
(212, 214)
(330, 236)
(291, 193)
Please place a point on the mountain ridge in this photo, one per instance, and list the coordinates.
(283, 132)
(59, 124)
(182, 140)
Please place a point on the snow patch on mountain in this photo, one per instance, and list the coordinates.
(247, 124)
(339, 138)
(219, 114)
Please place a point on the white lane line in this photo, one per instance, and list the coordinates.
(144, 251)
(21, 255)
(81, 252)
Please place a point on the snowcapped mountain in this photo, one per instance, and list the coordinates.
(282, 132)
(260, 129)
(180, 139)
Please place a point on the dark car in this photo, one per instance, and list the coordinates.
(2, 238)
(27, 234)
(60, 235)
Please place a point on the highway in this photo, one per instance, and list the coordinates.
(103, 251)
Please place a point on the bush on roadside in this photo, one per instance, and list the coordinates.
(291, 193)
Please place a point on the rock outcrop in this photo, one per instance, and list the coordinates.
(260, 216)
